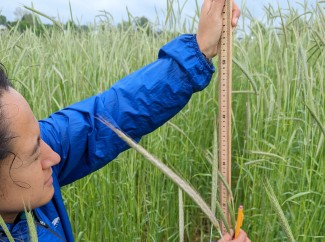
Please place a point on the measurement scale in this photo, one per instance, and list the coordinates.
(224, 92)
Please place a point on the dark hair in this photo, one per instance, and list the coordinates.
(5, 136)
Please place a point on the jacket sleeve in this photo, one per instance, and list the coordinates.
(137, 105)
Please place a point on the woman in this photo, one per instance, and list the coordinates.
(39, 157)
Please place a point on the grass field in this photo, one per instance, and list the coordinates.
(278, 157)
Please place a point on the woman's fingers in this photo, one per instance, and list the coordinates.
(242, 237)
(217, 6)
(235, 14)
(228, 237)
(212, 7)
(210, 25)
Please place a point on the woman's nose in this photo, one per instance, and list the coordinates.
(49, 157)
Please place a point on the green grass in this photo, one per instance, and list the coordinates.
(278, 129)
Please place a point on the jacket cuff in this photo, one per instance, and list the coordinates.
(185, 51)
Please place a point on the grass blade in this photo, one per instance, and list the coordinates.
(181, 215)
(6, 230)
(31, 227)
(278, 210)
(321, 126)
(168, 172)
(58, 24)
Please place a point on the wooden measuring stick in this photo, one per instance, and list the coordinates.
(224, 92)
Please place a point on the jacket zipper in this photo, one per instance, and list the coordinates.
(44, 225)
(47, 227)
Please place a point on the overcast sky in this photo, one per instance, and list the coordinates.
(85, 11)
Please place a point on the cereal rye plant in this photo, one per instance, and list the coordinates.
(278, 125)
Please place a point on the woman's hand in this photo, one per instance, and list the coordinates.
(210, 25)
(242, 237)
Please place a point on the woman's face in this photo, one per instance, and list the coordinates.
(25, 175)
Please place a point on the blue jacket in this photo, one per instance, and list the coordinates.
(137, 104)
